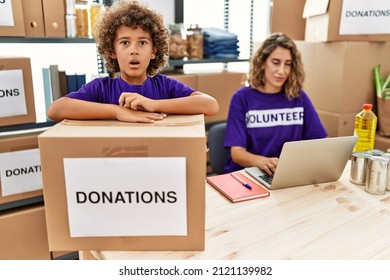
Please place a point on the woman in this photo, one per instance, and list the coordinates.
(272, 109)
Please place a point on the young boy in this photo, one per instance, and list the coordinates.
(133, 41)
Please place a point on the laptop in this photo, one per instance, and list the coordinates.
(308, 162)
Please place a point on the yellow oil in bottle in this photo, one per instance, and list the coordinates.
(365, 129)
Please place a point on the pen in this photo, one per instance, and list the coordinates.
(241, 181)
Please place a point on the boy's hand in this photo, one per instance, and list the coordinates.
(128, 115)
(136, 102)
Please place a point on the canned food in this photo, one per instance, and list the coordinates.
(359, 162)
(387, 155)
(376, 177)
(375, 152)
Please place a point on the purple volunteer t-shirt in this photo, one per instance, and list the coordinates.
(108, 90)
(262, 122)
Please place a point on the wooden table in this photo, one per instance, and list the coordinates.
(337, 220)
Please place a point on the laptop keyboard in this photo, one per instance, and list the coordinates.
(266, 178)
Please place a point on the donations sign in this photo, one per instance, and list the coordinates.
(20, 172)
(365, 17)
(12, 96)
(126, 196)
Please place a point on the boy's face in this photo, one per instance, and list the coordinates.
(133, 49)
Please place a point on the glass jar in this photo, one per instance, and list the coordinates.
(195, 42)
(94, 13)
(82, 20)
(178, 42)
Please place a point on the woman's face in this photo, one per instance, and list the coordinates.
(276, 68)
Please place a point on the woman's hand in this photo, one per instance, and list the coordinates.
(267, 164)
(246, 159)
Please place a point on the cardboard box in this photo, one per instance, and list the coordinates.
(324, 19)
(140, 146)
(339, 75)
(54, 18)
(337, 124)
(33, 18)
(20, 169)
(11, 19)
(286, 17)
(221, 86)
(382, 142)
(190, 80)
(62, 254)
(23, 234)
(16, 91)
(86, 256)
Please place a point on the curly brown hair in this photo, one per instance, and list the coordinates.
(294, 82)
(132, 14)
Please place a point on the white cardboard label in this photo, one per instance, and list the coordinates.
(20, 172)
(12, 96)
(365, 17)
(126, 196)
(6, 14)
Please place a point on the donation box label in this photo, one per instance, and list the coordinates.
(126, 196)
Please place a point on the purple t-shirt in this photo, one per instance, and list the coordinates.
(262, 122)
(108, 90)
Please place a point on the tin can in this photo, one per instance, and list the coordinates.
(387, 155)
(358, 172)
(375, 152)
(376, 175)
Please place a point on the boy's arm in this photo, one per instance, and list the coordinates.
(196, 103)
(70, 108)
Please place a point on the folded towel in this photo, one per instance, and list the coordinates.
(224, 42)
(213, 34)
(221, 56)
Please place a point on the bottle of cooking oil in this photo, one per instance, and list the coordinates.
(365, 129)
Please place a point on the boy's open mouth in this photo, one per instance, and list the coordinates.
(134, 62)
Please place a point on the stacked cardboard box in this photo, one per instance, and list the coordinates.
(17, 104)
(221, 86)
(20, 168)
(23, 234)
(339, 79)
(339, 59)
(33, 18)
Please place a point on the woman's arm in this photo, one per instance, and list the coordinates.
(70, 108)
(246, 159)
(196, 103)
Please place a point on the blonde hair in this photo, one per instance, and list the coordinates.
(294, 82)
(132, 14)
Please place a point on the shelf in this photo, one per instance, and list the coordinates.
(181, 62)
(45, 40)
(21, 203)
(25, 128)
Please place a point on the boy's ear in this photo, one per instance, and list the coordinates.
(113, 56)
(153, 56)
